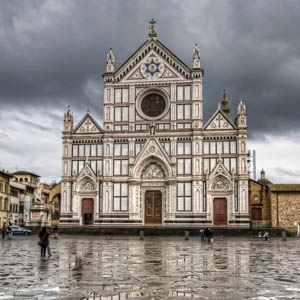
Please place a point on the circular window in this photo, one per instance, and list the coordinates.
(153, 105)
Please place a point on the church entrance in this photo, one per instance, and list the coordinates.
(153, 207)
(87, 211)
(220, 212)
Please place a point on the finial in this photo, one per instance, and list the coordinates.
(110, 61)
(152, 30)
(88, 110)
(196, 57)
(225, 105)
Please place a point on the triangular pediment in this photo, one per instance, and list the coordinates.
(86, 171)
(152, 61)
(152, 148)
(219, 121)
(220, 179)
(87, 125)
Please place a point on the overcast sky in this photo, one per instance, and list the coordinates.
(52, 53)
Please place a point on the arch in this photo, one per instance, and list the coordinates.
(220, 183)
(147, 161)
(87, 184)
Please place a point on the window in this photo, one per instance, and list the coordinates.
(93, 150)
(99, 149)
(141, 127)
(138, 147)
(183, 111)
(184, 148)
(206, 148)
(121, 95)
(75, 150)
(120, 149)
(121, 113)
(184, 125)
(121, 127)
(233, 147)
(120, 197)
(184, 166)
(166, 146)
(121, 167)
(81, 150)
(163, 126)
(184, 196)
(1, 187)
(183, 93)
(87, 150)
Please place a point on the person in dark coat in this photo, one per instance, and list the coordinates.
(4, 231)
(206, 234)
(44, 241)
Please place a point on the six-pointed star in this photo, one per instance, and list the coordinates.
(152, 67)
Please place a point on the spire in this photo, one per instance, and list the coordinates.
(110, 61)
(262, 174)
(152, 30)
(241, 111)
(196, 57)
(225, 105)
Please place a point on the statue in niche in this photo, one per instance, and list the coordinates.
(153, 171)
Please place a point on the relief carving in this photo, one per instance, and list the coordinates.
(220, 184)
(153, 171)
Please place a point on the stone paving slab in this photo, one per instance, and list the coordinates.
(124, 267)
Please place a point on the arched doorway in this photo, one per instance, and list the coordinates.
(87, 211)
(153, 207)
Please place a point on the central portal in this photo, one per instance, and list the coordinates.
(153, 207)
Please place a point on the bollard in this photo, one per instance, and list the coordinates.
(186, 235)
(141, 235)
(283, 234)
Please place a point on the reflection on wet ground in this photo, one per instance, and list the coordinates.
(118, 268)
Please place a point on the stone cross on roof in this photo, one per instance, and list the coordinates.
(152, 30)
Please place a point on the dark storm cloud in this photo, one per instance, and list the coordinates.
(53, 52)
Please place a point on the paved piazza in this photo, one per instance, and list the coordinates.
(118, 267)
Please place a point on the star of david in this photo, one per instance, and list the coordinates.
(152, 67)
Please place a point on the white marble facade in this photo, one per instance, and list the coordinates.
(153, 143)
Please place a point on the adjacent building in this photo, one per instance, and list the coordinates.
(274, 205)
(154, 161)
(4, 197)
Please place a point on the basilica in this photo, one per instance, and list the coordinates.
(154, 162)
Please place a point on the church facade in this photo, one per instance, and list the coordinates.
(154, 162)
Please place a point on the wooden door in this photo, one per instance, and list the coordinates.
(220, 212)
(153, 207)
(87, 211)
(256, 214)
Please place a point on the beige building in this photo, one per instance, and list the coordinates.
(30, 180)
(17, 196)
(4, 197)
(155, 162)
(55, 202)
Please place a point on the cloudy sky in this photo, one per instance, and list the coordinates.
(52, 53)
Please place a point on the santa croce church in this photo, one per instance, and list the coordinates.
(154, 161)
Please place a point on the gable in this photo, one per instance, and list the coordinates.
(152, 61)
(219, 122)
(87, 125)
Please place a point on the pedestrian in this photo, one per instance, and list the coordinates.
(206, 234)
(4, 231)
(9, 232)
(266, 235)
(202, 237)
(44, 241)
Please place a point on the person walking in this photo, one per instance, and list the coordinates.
(4, 231)
(202, 236)
(206, 235)
(44, 241)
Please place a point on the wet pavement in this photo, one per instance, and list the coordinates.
(118, 268)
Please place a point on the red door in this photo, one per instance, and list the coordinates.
(220, 212)
(87, 211)
(153, 207)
